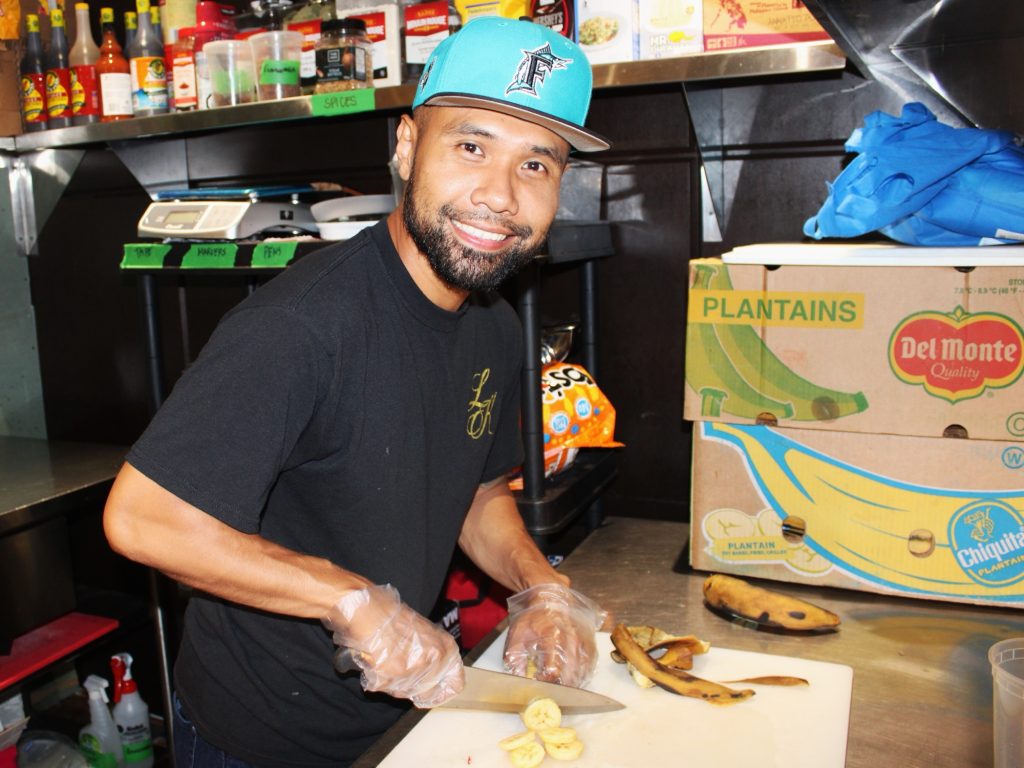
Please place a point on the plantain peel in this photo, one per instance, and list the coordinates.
(765, 607)
(674, 680)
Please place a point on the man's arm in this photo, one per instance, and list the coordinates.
(147, 523)
(494, 537)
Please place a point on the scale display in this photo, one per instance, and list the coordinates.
(224, 219)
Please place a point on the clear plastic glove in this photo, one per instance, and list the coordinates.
(551, 633)
(398, 651)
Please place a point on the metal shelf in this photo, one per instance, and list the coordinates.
(751, 62)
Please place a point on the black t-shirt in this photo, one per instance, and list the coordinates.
(340, 413)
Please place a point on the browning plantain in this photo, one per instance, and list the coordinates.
(670, 679)
(765, 607)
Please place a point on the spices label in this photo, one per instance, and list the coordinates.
(343, 102)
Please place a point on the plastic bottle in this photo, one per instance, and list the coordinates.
(33, 78)
(113, 74)
(131, 26)
(146, 60)
(131, 715)
(183, 64)
(99, 741)
(154, 19)
(58, 74)
(85, 99)
(211, 24)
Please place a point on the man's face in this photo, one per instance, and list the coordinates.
(481, 194)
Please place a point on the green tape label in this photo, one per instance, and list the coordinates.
(279, 72)
(273, 254)
(144, 255)
(344, 102)
(210, 256)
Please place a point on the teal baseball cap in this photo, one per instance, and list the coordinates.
(516, 67)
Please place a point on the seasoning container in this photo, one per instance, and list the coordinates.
(343, 58)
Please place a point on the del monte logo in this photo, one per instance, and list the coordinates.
(957, 355)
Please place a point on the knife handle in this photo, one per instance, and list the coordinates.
(345, 661)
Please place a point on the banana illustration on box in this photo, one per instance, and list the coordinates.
(933, 542)
(740, 375)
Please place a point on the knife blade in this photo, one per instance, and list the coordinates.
(503, 692)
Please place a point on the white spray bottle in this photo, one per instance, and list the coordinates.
(98, 740)
(131, 715)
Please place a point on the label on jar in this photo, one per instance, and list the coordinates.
(149, 83)
(344, 63)
(33, 103)
(184, 71)
(115, 94)
(84, 97)
(58, 92)
(310, 31)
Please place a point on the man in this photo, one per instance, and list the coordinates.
(353, 421)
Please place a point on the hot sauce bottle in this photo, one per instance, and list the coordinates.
(58, 74)
(113, 74)
(33, 78)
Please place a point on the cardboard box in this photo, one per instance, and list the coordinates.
(750, 23)
(608, 30)
(893, 350)
(669, 28)
(384, 31)
(10, 90)
(931, 518)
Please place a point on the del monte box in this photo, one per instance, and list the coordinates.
(873, 339)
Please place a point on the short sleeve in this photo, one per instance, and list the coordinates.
(233, 419)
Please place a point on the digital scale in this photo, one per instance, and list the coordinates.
(219, 214)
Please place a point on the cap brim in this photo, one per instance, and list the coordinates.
(579, 139)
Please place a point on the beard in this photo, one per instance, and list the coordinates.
(458, 265)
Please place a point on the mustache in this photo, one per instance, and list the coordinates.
(449, 211)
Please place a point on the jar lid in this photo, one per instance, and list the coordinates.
(349, 24)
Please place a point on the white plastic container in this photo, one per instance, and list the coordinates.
(98, 740)
(131, 715)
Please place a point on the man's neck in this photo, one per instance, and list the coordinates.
(433, 287)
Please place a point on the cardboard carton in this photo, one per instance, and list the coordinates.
(10, 92)
(608, 30)
(907, 350)
(750, 23)
(669, 28)
(384, 31)
(931, 518)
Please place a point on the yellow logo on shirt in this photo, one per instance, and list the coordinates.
(481, 407)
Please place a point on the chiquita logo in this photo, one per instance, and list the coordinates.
(957, 356)
(987, 538)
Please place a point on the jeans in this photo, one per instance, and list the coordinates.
(192, 751)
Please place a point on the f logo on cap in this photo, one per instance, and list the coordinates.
(534, 68)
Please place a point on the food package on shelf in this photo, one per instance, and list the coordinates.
(576, 415)
(607, 30)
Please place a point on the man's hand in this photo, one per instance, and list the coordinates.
(398, 651)
(553, 627)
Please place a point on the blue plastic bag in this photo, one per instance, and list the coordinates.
(921, 182)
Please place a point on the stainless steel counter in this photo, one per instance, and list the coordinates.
(922, 687)
(40, 478)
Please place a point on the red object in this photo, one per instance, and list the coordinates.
(9, 757)
(50, 642)
(481, 603)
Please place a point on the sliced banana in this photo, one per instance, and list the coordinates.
(569, 751)
(514, 742)
(529, 755)
(541, 713)
(557, 735)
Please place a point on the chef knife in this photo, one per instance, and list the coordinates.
(502, 692)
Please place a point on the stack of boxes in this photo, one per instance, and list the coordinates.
(860, 426)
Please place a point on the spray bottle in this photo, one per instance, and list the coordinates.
(99, 741)
(131, 715)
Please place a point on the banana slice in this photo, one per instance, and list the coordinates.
(569, 751)
(529, 755)
(557, 735)
(541, 713)
(518, 740)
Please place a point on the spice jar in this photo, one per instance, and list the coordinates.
(343, 59)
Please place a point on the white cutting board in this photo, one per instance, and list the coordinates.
(778, 727)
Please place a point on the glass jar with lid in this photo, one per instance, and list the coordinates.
(343, 57)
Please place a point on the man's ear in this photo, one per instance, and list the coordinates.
(405, 146)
